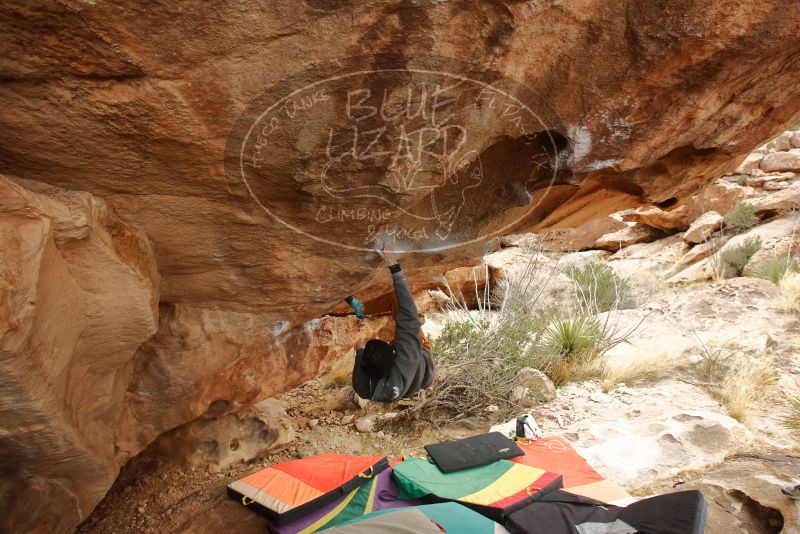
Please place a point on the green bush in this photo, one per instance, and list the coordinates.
(597, 287)
(741, 217)
(738, 256)
(775, 268)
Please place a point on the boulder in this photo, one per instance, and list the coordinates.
(703, 227)
(701, 251)
(795, 140)
(216, 442)
(466, 285)
(226, 361)
(781, 161)
(636, 233)
(365, 425)
(78, 295)
(750, 162)
(705, 269)
(581, 258)
(783, 142)
(658, 218)
(650, 433)
(762, 178)
(532, 386)
(782, 201)
(656, 257)
(515, 262)
(672, 325)
(148, 107)
(744, 494)
(776, 229)
(774, 186)
(582, 236)
(719, 196)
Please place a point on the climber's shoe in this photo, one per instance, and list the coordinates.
(357, 306)
(792, 493)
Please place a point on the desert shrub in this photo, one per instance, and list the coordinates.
(775, 268)
(477, 362)
(524, 322)
(738, 256)
(598, 288)
(790, 293)
(741, 217)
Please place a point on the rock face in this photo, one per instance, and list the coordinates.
(744, 494)
(78, 295)
(214, 443)
(136, 104)
(638, 436)
(147, 101)
(211, 363)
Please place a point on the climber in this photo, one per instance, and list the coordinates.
(387, 372)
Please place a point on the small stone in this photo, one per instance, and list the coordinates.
(347, 419)
(365, 425)
(388, 416)
(312, 423)
(599, 396)
(362, 403)
(492, 408)
(140, 509)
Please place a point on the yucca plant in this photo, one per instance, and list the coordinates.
(571, 336)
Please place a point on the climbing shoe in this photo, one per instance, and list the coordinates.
(792, 493)
(357, 306)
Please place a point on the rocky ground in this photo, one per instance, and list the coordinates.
(654, 424)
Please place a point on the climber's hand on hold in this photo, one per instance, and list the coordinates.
(387, 252)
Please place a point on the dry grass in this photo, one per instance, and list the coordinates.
(790, 293)
(747, 381)
(340, 399)
(341, 373)
(792, 419)
(649, 367)
(740, 379)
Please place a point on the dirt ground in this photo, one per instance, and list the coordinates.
(154, 495)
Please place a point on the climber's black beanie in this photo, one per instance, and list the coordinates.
(378, 358)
